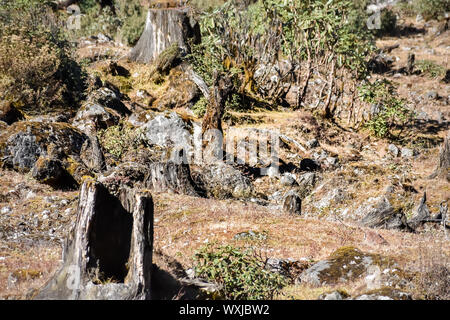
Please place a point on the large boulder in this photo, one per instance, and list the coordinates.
(57, 146)
(102, 109)
(169, 131)
(221, 181)
(381, 214)
(348, 264)
(181, 92)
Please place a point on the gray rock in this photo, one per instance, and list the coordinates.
(372, 297)
(407, 153)
(287, 179)
(221, 181)
(169, 131)
(312, 275)
(384, 215)
(335, 295)
(332, 161)
(393, 150)
(313, 143)
(307, 179)
(432, 95)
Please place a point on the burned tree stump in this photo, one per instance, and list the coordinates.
(163, 28)
(108, 254)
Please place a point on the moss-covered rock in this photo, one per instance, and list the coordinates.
(180, 92)
(52, 172)
(8, 113)
(343, 265)
(50, 150)
(222, 181)
(384, 293)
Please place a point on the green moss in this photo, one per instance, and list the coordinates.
(349, 263)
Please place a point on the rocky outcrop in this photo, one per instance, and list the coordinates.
(103, 109)
(181, 92)
(350, 264)
(51, 151)
(383, 215)
(221, 181)
(108, 254)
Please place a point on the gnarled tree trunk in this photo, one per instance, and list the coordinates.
(108, 254)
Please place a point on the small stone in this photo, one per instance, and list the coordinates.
(332, 296)
(6, 210)
(432, 95)
(407, 153)
(287, 179)
(393, 150)
(332, 161)
(313, 143)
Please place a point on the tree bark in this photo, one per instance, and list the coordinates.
(443, 168)
(163, 28)
(108, 254)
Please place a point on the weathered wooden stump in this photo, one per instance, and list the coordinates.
(443, 168)
(108, 254)
(163, 28)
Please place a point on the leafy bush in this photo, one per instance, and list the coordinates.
(37, 71)
(118, 139)
(389, 111)
(125, 24)
(240, 273)
(388, 23)
(430, 68)
(431, 9)
(241, 35)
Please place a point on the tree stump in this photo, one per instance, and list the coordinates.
(108, 254)
(443, 169)
(163, 28)
(170, 176)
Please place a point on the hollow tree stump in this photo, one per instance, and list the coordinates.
(108, 254)
(163, 28)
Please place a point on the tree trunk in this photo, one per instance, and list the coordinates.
(108, 254)
(443, 169)
(216, 106)
(163, 27)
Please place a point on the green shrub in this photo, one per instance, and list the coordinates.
(126, 25)
(431, 9)
(118, 139)
(388, 23)
(430, 68)
(240, 273)
(391, 115)
(37, 70)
